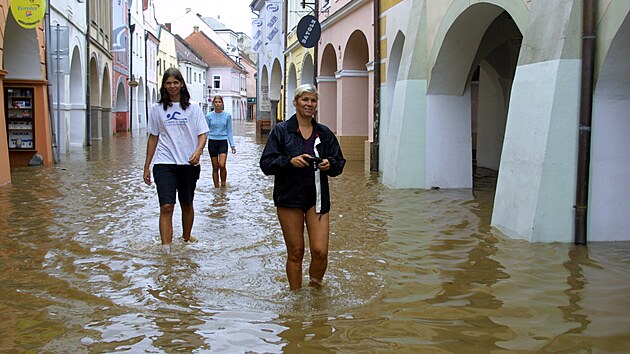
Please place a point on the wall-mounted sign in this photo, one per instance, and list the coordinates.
(28, 13)
(272, 18)
(308, 31)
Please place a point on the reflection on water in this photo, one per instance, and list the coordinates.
(410, 270)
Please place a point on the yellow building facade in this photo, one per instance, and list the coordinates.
(25, 129)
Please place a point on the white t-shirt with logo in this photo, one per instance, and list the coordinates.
(177, 131)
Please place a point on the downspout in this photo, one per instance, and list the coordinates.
(586, 110)
(285, 13)
(316, 48)
(53, 130)
(88, 84)
(374, 147)
(257, 75)
(131, 30)
(146, 78)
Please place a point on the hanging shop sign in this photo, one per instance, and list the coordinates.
(308, 31)
(28, 13)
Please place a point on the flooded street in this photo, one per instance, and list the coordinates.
(409, 271)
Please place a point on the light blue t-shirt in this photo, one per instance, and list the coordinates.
(220, 125)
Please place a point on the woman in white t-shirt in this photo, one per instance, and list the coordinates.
(177, 135)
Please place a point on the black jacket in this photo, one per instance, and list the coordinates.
(284, 143)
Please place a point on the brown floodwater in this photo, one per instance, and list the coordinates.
(410, 271)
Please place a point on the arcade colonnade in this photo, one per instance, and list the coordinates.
(466, 84)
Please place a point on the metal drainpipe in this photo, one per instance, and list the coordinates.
(586, 110)
(146, 76)
(374, 147)
(88, 99)
(283, 92)
(131, 31)
(316, 48)
(49, 72)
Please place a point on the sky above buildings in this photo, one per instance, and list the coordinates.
(234, 14)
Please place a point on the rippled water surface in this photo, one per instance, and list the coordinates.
(409, 271)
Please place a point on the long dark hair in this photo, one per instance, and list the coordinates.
(184, 95)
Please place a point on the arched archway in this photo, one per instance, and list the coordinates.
(327, 86)
(22, 85)
(265, 104)
(122, 106)
(275, 89)
(393, 65)
(468, 95)
(353, 94)
(291, 86)
(107, 128)
(23, 61)
(95, 100)
(307, 75)
(609, 195)
(78, 119)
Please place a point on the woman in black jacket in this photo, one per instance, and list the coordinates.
(302, 154)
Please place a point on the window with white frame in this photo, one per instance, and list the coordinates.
(216, 81)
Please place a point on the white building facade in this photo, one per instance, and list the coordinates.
(71, 102)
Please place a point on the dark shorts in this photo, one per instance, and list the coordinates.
(176, 179)
(217, 147)
(310, 198)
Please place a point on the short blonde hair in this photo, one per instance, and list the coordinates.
(302, 89)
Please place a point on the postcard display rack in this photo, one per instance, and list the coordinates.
(20, 118)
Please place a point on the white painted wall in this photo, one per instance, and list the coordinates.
(491, 119)
(536, 185)
(449, 141)
(609, 200)
(138, 55)
(72, 104)
(403, 137)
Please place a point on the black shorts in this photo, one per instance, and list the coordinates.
(310, 198)
(176, 179)
(217, 147)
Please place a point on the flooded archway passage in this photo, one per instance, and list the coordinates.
(409, 270)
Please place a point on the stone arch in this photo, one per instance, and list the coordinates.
(77, 123)
(353, 92)
(468, 89)
(308, 71)
(107, 128)
(291, 86)
(95, 99)
(393, 65)
(327, 86)
(264, 106)
(275, 83)
(23, 61)
(122, 106)
(609, 194)
(275, 88)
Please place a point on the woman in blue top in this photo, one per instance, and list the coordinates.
(220, 124)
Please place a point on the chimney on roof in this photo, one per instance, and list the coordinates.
(168, 26)
(188, 9)
(196, 28)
